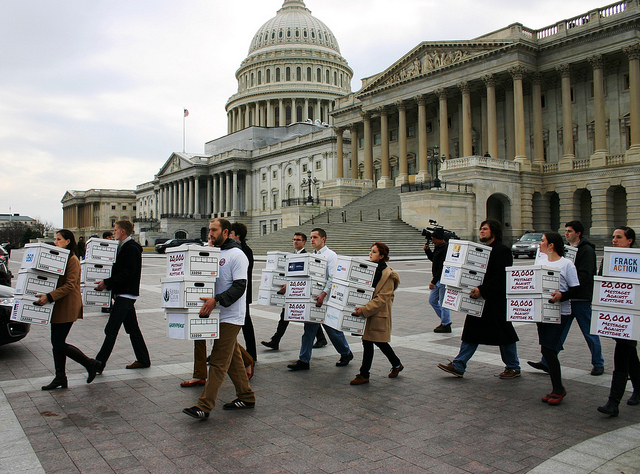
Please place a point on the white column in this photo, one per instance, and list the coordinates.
(227, 204)
(196, 196)
(234, 193)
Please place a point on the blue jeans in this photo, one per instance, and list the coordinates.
(336, 337)
(435, 300)
(508, 352)
(581, 311)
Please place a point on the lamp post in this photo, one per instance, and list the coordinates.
(436, 160)
(310, 181)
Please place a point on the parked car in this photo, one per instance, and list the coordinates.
(4, 255)
(527, 245)
(160, 248)
(5, 274)
(10, 331)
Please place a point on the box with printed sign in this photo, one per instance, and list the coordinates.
(348, 295)
(277, 261)
(462, 275)
(91, 272)
(187, 324)
(272, 279)
(26, 311)
(342, 319)
(45, 257)
(304, 311)
(569, 253)
(533, 279)
(464, 252)
(303, 288)
(621, 262)
(619, 323)
(532, 309)
(355, 270)
(179, 292)
(270, 297)
(616, 292)
(306, 264)
(192, 261)
(33, 282)
(458, 299)
(93, 297)
(101, 250)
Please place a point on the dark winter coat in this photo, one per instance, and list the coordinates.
(127, 269)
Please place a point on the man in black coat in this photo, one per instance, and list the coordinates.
(492, 328)
(125, 285)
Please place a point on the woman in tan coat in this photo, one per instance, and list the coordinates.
(377, 329)
(67, 309)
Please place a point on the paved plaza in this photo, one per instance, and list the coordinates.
(131, 421)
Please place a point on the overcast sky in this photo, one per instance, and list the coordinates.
(92, 92)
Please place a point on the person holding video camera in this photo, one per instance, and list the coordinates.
(437, 257)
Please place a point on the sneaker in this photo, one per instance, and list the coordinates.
(508, 374)
(539, 366)
(238, 404)
(395, 371)
(449, 368)
(271, 345)
(446, 328)
(299, 365)
(359, 380)
(344, 360)
(195, 412)
(597, 370)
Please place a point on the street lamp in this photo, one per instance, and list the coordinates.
(435, 157)
(310, 181)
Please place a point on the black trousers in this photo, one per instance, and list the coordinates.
(367, 357)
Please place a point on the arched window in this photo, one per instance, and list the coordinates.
(297, 33)
(304, 33)
(273, 35)
(327, 78)
(308, 74)
(335, 78)
(298, 74)
(288, 74)
(280, 34)
(259, 77)
(268, 76)
(313, 34)
(277, 74)
(318, 75)
(288, 33)
(251, 79)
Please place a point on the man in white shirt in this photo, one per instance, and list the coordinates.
(339, 341)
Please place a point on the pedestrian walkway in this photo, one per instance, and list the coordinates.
(311, 421)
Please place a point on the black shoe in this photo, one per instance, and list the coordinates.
(195, 412)
(299, 365)
(611, 408)
(320, 344)
(634, 399)
(138, 365)
(271, 345)
(56, 383)
(539, 366)
(597, 370)
(344, 360)
(443, 328)
(95, 367)
(238, 404)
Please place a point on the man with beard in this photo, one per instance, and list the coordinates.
(492, 327)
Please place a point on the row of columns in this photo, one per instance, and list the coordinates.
(182, 196)
(263, 113)
(517, 128)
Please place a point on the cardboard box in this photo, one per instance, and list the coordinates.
(270, 297)
(277, 261)
(342, 320)
(272, 279)
(93, 272)
(187, 324)
(569, 253)
(532, 279)
(304, 288)
(532, 309)
(306, 264)
(615, 322)
(93, 297)
(46, 258)
(355, 270)
(347, 296)
(621, 262)
(464, 252)
(33, 282)
(179, 292)
(304, 311)
(101, 250)
(458, 299)
(616, 292)
(462, 275)
(192, 261)
(25, 311)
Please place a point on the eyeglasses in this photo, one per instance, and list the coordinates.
(297, 240)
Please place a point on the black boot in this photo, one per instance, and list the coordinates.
(78, 356)
(60, 380)
(634, 375)
(618, 384)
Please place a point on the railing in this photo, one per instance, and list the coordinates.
(145, 219)
(581, 164)
(304, 201)
(470, 161)
(444, 185)
(615, 159)
(550, 167)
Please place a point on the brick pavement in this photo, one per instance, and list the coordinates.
(313, 421)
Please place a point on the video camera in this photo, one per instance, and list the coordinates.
(428, 232)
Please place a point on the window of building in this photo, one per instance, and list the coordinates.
(327, 80)
(304, 33)
(277, 74)
(313, 34)
(411, 131)
(273, 35)
(335, 78)
(124, 208)
(264, 203)
(263, 227)
(318, 165)
(134, 208)
(259, 77)
(318, 75)
(376, 139)
(429, 127)
(274, 174)
(290, 171)
(280, 34)
(360, 142)
(288, 74)
(275, 201)
(448, 122)
(625, 82)
(297, 33)
(264, 176)
(268, 76)
(543, 101)
(304, 168)
(298, 74)
(393, 135)
(288, 33)
(113, 208)
(573, 100)
(251, 80)
(308, 74)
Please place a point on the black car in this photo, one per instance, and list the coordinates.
(527, 245)
(160, 248)
(4, 255)
(10, 331)
(5, 274)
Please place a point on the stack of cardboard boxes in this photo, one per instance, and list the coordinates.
(306, 275)
(616, 295)
(99, 257)
(192, 271)
(464, 269)
(42, 265)
(273, 277)
(529, 289)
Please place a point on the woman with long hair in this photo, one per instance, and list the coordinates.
(625, 355)
(549, 335)
(377, 329)
(67, 309)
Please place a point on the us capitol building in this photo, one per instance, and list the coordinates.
(532, 127)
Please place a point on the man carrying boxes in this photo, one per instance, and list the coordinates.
(437, 256)
(339, 341)
(230, 295)
(492, 327)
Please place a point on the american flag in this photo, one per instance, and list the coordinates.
(186, 113)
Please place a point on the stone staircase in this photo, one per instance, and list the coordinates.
(352, 229)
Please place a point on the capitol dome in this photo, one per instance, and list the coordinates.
(293, 72)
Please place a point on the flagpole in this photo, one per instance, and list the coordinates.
(184, 116)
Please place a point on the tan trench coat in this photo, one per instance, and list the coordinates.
(67, 298)
(378, 310)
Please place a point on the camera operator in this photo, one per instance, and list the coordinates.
(437, 257)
